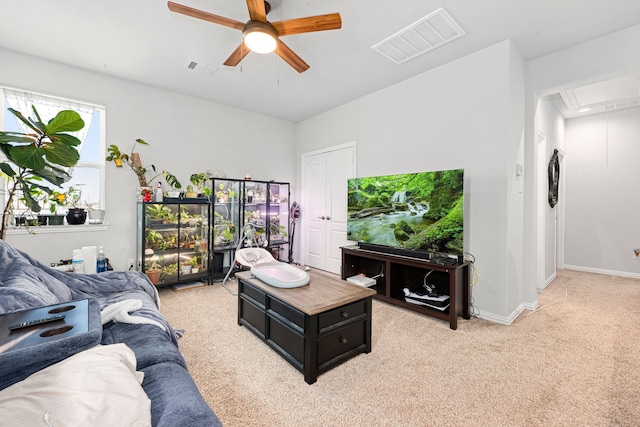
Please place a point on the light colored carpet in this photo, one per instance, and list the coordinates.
(575, 361)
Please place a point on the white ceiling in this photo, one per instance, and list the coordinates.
(600, 97)
(141, 40)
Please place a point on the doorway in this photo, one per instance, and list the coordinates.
(550, 220)
(324, 205)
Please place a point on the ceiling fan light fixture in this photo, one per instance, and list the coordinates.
(260, 37)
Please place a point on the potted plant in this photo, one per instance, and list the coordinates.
(155, 240)
(145, 192)
(153, 270)
(170, 270)
(200, 181)
(41, 154)
(159, 213)
(190, 193)
(53, 202)
(174, 192)
(221, 195)
(76, 214)
(186, 267)
(195, 265)
(95, 215)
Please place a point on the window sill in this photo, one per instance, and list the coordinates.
(50, 229)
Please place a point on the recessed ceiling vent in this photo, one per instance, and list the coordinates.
(428, 33)
(627, 103)
(207, 70)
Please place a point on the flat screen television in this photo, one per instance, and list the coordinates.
(413, 214)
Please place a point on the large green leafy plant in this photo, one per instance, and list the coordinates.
(37, 158)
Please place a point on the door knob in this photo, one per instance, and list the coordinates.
(321, 217)
(328, 218)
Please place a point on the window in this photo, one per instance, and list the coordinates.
(88, 174)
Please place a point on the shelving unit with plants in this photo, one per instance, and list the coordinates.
(173, 241)
(239, 204)
(226, 222)
(266, 206)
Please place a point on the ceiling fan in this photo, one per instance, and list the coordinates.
(262, 36)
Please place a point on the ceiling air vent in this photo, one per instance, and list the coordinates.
(205, 69)
(428, 33)
(627, 103)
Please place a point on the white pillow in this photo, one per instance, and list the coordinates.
(96, 387)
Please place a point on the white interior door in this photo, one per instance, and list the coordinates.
(324, 191)
(312, 211)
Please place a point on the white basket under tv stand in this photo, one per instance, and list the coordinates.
(400, 271)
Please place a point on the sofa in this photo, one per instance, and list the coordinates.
(125, 369)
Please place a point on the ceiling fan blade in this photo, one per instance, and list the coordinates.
(291, 58)
(257, 10)
(237, 55)
(200, 14)
(309, 24)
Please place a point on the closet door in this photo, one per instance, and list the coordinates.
(324, 208)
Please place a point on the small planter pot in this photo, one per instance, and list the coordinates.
(194, 270)
(96, 216)
(186, 269)
(56, 219)
(154, 275)
(76, 216)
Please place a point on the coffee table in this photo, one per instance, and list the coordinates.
(313, 327)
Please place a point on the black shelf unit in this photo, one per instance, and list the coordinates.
(238, 202)
(174, 236)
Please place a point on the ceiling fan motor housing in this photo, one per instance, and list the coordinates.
(260, 36)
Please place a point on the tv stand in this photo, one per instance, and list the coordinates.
(400, 272)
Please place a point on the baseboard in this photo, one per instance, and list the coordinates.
(505, 320)
(546, 283)
(603, 271)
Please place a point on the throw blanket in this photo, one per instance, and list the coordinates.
(119, 312)
(26, 283)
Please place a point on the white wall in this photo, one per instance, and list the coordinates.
(461, 115)
(185, 134)
(514, 123)
(602, 203)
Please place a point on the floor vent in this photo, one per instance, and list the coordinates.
(205, 69)
(428, 33)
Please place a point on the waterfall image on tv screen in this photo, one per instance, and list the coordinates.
(417, 211)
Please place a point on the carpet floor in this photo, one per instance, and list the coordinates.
(574, 361)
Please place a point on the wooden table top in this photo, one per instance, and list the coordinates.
(324, 292)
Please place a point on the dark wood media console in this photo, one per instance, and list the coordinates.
(400, 272)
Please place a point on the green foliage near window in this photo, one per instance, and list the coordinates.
(38, 158)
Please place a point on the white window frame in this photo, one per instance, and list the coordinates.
(100, 165)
